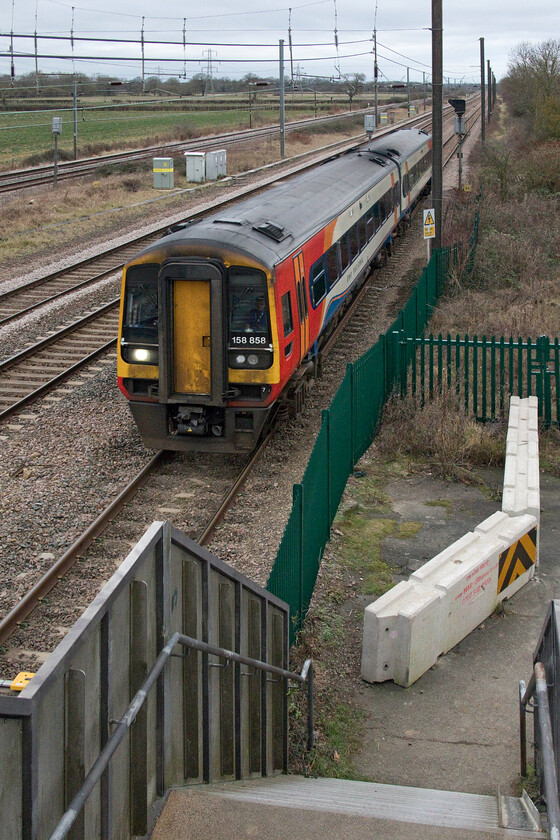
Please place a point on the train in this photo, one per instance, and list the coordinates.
(222, 320)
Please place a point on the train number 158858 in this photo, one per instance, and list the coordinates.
(248, 339)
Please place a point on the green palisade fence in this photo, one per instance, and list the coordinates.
(347, 430)
(483, 372)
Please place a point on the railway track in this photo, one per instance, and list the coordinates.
(37, 373)
(34, 371)
(53, 286)
(24, 178)
(42, 366)
(109, 518)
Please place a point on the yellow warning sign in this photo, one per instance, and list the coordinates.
(517, 559)
(429, 224)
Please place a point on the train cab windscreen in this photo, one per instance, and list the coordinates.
(139, 340)
(249, 322)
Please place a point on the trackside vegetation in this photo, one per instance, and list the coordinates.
(513, 290)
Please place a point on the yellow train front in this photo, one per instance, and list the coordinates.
(221, 318)
(180, 315)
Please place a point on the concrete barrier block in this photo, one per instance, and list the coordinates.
(380, 632)
(533, 414)
(492, 523)
(418, 623)
(430, 570)
(533, 478)
(468, 595)
(400, 634)
(513, 420)
(534, 502)
(510, 471)
(518, 560)
(407, 628)
(508, 499)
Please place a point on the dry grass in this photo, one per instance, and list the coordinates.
(514, 291)
(40, 222)
(442, 434)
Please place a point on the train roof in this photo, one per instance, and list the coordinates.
(269, 225)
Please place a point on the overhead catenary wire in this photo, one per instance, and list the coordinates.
(167, 43)
(168, 59)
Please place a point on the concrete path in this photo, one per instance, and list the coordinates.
(457, 727)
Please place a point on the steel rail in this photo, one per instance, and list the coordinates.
(155, 232)
(34, 176)
(56, 336)
(52, 383)
(44, 585)
(49, 580)
(230, 497)
(21, 610)
(97, 277)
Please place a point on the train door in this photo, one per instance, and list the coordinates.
(191, 333)
(303, 312)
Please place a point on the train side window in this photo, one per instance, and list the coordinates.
(287, 318)
(363, 231)
(332, 265)
(344, 260)
(354, 242)
(318, 281)
(370, 223)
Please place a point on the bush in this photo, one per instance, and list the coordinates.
(442, 432)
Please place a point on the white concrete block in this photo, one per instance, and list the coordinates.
(490, 524)
(508, 499)
(468, 596)
(407, 628)
(510, 471)
(426, 572)
(401, 634)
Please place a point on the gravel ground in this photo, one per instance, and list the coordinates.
(66, 457)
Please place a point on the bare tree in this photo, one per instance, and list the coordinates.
(353, 84)
(532, 85)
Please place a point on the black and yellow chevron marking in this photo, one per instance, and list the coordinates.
(518, 558)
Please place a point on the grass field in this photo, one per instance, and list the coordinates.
(109, 124)
(26, 138)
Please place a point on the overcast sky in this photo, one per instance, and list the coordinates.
(237, 42)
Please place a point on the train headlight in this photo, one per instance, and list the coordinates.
(240, 359)
(253, 359)
(136, 354)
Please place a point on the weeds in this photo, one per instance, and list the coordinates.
(531, 784)
(360, 548)
(441, 433)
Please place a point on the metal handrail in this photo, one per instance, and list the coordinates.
(126, 721)
(538, 688)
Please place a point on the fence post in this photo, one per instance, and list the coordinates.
(350, 375)
(326, 422)
(298, 507)
(402, 362)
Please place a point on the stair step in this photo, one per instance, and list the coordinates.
(274, 803)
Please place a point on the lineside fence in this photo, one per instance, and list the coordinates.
(484, 372)
(347, 430)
